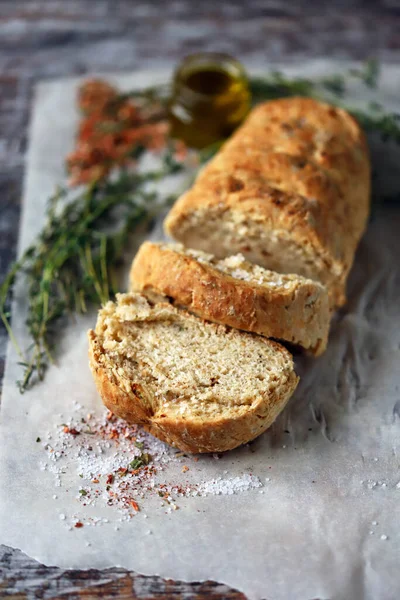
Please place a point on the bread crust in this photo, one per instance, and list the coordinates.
(296, 166)
(299, 315)
(191, 434)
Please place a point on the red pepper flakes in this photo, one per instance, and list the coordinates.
(185, 469)
(72, 431)
(95, 481)
(111, 128)
(110, 479)
(78, 525)
(95, 94)
(134, 505)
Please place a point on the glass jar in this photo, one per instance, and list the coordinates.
(210, 98)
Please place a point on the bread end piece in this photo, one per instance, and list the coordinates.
(191, 404)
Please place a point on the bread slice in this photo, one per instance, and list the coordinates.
(235, 292)
(290, 190)
(199, 386)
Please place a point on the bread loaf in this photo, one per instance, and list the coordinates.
(289, 190)
(199, 386)
(235, 292)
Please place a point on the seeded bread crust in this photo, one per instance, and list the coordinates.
(290, 190)
(286, 307)
(196, 431)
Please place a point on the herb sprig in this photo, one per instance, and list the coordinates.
(374, 119)
(73, 262)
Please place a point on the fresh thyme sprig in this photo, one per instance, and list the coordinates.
(373, 119)
(72, 262)
(277, 85)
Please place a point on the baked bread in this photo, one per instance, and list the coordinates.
(199, 386)
(290, 190)
(235, 292)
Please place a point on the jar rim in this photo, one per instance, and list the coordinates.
(226, 62)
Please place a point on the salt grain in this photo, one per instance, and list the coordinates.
(384, 537)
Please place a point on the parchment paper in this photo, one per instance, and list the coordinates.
(329, 466)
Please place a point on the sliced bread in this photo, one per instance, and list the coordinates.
(199, 386)
(235, 292)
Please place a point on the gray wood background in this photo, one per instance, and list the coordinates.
(41, 39)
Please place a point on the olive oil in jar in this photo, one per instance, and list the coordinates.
(210, 99)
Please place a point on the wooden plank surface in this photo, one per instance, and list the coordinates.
(52, 38)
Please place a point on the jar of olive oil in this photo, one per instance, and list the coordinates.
(210, 98)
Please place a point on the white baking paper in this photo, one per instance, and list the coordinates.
(326, 523)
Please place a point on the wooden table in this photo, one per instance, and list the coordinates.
(52, 38)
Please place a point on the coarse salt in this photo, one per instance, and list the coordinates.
(101, 456)
(229, 486)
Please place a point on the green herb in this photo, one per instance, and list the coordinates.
(335, 84)
(136, 463)
(139, 445)
(374, 119)
(140, 461)
(387, 125)
(73, 261)
(369, 73)
(38, 439)
(83, 492)
(276, 85)
(80, 475)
